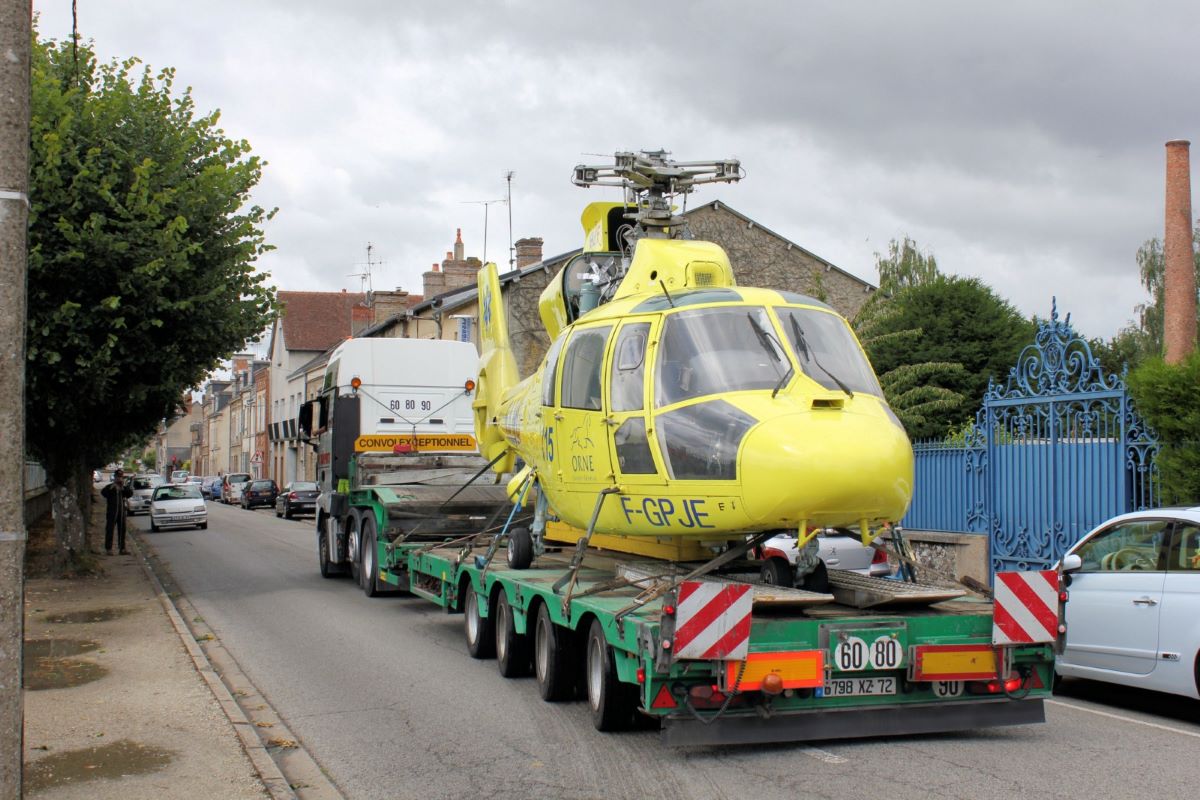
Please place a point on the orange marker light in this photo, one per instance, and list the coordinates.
(470, 386)
(355, 382)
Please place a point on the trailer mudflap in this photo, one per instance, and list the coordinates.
(851, 723)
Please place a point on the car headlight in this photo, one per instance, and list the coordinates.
(198, 508)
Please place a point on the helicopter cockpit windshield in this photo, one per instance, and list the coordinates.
(827, 351)
(711, 350)
(730, 349)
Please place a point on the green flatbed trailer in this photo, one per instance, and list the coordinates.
(611, 645)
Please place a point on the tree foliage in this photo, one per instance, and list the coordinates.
(1143, 339)
(1167, 398)
(944, 338)
(142, 245)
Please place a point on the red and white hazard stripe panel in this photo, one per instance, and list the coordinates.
(1025, 607)
(712, 620)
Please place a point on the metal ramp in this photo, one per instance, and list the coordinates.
(863, 591)
(763, 594)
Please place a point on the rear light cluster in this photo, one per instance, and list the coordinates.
(880, 557)
(995, 686)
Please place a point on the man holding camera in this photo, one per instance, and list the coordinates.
(114, 512)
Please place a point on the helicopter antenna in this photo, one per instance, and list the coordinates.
(668, 294)
(508, 176)
(651, 180)
(366, 286)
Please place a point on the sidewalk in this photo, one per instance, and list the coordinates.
(114, 706)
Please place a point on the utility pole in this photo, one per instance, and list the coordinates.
(15, 33)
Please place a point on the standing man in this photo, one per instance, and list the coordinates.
(114, 512)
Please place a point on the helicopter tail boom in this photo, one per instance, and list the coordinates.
(497, 369)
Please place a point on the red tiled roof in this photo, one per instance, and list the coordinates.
(413, 299)
(319, 320)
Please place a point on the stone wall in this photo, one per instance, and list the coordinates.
(761, 258)
(947, 555)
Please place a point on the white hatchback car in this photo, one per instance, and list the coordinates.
(837, 550)
(1133, 614)
(178, 506)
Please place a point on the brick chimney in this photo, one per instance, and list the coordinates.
(1179, 279)
(433, 281)
(458, 245)
(388, 304)
(529, 251)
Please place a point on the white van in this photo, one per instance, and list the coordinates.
(232, 485)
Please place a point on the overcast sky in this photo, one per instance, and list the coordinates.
(1020, 142)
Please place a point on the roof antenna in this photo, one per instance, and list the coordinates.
(366, 286)
(485, 204)
(508, 176)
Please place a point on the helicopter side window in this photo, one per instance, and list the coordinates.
(633, 450)
(629, 368)
(581, 380)
(548, 374)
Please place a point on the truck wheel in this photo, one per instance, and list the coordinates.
(512, 648)
(520, 548)
(553, 664)
(328, 568)
(817, 580)
(366, 544)
(778, 572)
(481, 632)
(611, 702)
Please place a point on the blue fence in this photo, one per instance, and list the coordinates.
(1053, 452)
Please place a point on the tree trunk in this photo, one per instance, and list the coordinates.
(69, 521)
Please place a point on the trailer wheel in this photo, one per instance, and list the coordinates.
(354, 545)
(512, 648)
(817, 580)
(611, 701)
(778, 572)
(553, 661)
(520, 548)
(481, 632)
(366, 544)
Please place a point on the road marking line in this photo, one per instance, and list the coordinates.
(822, 755)
(1168, 728)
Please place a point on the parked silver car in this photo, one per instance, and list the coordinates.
(1133, 608)
(143, 487)
(837, 549)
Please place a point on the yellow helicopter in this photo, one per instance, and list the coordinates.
(674, 406)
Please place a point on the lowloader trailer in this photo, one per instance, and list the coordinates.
(718, 658)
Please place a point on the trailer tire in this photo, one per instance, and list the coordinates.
(611, 701)
(554, 663)
(512, 648)
(520, 548)
(778, 572)
(817, 580)
(480, 630)
(366, 544)
(353, 544)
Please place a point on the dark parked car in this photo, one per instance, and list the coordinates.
(259, 493)
(211, 488)
(298, 497)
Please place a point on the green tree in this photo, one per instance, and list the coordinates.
(142, 244)
(946, 336)
(913, 390)
(1166, 396)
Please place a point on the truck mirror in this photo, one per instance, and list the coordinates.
(304, 418)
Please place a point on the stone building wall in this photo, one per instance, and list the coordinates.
(761, 258)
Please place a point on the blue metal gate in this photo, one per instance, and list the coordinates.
(1053, 452)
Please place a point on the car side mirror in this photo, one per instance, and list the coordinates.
(1071, 562)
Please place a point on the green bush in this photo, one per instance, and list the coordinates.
(1168, 398)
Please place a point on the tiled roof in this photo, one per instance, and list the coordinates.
(319, 320)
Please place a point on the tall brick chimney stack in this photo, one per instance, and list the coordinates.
(1179, 279)
(529, 251)
(458, 245)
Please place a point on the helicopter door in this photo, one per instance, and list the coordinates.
(628, 441)
(582, 458)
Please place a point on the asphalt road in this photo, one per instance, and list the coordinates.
(384, 696)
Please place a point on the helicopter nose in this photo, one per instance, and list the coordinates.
(832, 468)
